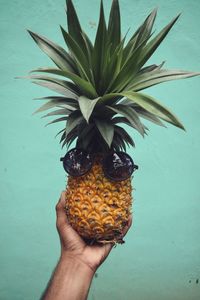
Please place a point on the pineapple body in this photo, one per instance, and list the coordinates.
(97, 208)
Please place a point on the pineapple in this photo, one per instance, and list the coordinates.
(99, 86)
(97, 208)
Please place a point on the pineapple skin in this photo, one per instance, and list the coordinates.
(97, 208)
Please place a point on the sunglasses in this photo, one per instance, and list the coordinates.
(117, 166)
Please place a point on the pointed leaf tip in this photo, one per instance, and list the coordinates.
(153, 44)
(87, 106)
(106, 130)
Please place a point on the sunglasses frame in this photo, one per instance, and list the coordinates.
(134, 167)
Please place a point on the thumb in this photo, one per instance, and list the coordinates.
(60, 211)
(68, 235)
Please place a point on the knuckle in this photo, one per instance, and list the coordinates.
(57, 224)
(57, 207)
(130, 222)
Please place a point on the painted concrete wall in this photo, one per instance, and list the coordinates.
(161, 257)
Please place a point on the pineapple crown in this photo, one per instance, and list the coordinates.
(101, 81)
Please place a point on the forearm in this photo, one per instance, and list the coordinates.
(70, 281)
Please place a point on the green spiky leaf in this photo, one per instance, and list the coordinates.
(82, 84)
(153, 106)
(54, 103)
(106, 130)
(74, 27)
(143, 113)
(114, 25)
(57, 120)
(129, 114)
(124, 135)
(58, 112)
(127, 72)
(56, 87)
(87, 106)
(155, 42)
(73, 120)
(158, 76)
(99, 49)
(58, 55)
(59, 132)
(68, 101)
(145, 30)
(80, 59)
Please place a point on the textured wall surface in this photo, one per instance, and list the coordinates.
(160, 260)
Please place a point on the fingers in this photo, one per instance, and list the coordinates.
(60, 211)
(108, 248)
(127, 227)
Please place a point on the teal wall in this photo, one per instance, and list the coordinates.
(161, 257)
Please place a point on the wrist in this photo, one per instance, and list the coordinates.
(76, 264)
(71, 280)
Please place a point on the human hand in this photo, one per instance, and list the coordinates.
(74, 247)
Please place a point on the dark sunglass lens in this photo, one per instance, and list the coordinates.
(118, 166)
(77, 162)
